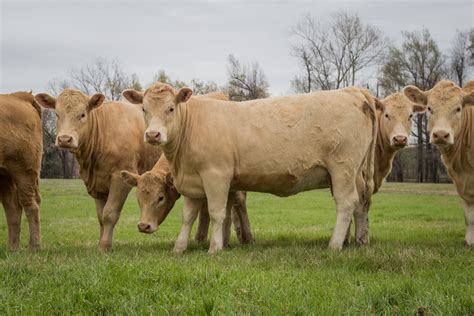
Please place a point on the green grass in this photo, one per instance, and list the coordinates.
(415, 263)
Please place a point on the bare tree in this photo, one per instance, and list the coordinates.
(246, 82)
(418, 62)
(201, 87)
(459, 56)
(332, 54)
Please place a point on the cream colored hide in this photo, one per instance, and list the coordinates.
(105, 137)
(21, 148)
(280, 145)
(451, 128)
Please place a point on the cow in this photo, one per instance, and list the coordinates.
(21, 148)
(157, 195)
(451, 129)
(278, 145)
(394, 117)
(105, 137)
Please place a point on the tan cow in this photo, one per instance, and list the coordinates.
(157, 195)
(280, 145)
(451, 128)
(21, 148)
(105, 137)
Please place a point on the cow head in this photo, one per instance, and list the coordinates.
(160, 104)
(444, 103)
(72, 109)
(156, 197)
(395, 119)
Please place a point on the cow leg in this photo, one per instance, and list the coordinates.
(227, 221)
(99, 207)
(469, 217)
(236, 222)
(347, 240)
(361, 216)
(347, 198)
(28, 196)
(118, 193)
(191, 209)
(240, 209)
(203, 228)
(13, 212)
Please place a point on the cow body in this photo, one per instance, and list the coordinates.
(451, 127)
(20, 161)
(281, 145)
(107, 139)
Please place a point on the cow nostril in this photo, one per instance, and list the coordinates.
(435, 135)
(143, 227)
(446, 135)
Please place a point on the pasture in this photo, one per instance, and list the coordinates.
(416, 262)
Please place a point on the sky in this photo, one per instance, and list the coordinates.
(42, 40)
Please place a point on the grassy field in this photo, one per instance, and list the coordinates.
(416, 262)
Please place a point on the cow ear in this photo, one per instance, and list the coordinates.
(415, 95)
(95, 101)
(183, 95)
(418, 108)
(379, 106)
(169, 180)
(133, 96)
(129, 178)
(468, 99)
(468, 87)
(45, 100)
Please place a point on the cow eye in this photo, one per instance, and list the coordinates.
(83, 115)
(161, 198)
(458, 109)
(143, 109)
(387, 116)
(429, 109)
(411, 116)
(171, 109)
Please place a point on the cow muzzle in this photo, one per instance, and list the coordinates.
(146, 228)
(441, 138)
(399, 141)
(65, 141)
(153, 137)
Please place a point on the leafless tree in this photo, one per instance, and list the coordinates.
(245, 82)
(201, 87)
(332, 54)
(459, 56)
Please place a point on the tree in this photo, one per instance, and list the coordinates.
(245, 82)
(163, 77)
(333, 53)
(418, 62)
(459, 57)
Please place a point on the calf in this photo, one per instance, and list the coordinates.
(90, 129)
(451, 128)
(280, 145)
(21, 148)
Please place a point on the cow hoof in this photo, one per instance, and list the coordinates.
(34, 247)
(362, 241)
(468, 244)
(201, 240)
(105, 247)
(335, 246)
(179, 250)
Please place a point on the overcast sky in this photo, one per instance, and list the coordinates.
(41, 40)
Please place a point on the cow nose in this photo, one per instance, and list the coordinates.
(152, 136)
(440, 135)
(64, 140)
(143, 227)
(400, 140)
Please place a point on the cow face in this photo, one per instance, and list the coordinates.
(395, 119)
(72, 109)
(444, 103)
(156, 197)
(160, 104)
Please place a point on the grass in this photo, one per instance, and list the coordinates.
(416, 262)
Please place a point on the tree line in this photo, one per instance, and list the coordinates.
(339, 52)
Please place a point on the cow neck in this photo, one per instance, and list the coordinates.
(384, 155)
(455, 155)
(176, 146)
(89, 148)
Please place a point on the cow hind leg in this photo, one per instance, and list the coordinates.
(240, 209)
(347, 198)
(469, 217)
(361, 216)
(13, 212)
(99, 207)
(118, 193)
(203, 227)
(191, 209)
(228, 221)
(28, 196)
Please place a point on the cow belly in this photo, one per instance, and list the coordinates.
(284, 184)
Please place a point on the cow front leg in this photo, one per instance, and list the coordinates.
(469, 218)
(227, 221)
(13, 212)
(217, 193)
(118, 193)
(99, 207)
(191, 210)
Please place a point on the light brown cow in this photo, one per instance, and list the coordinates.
(105, 137)
(451, 128)
(21, 148)
(157, 195)
(281, 145)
